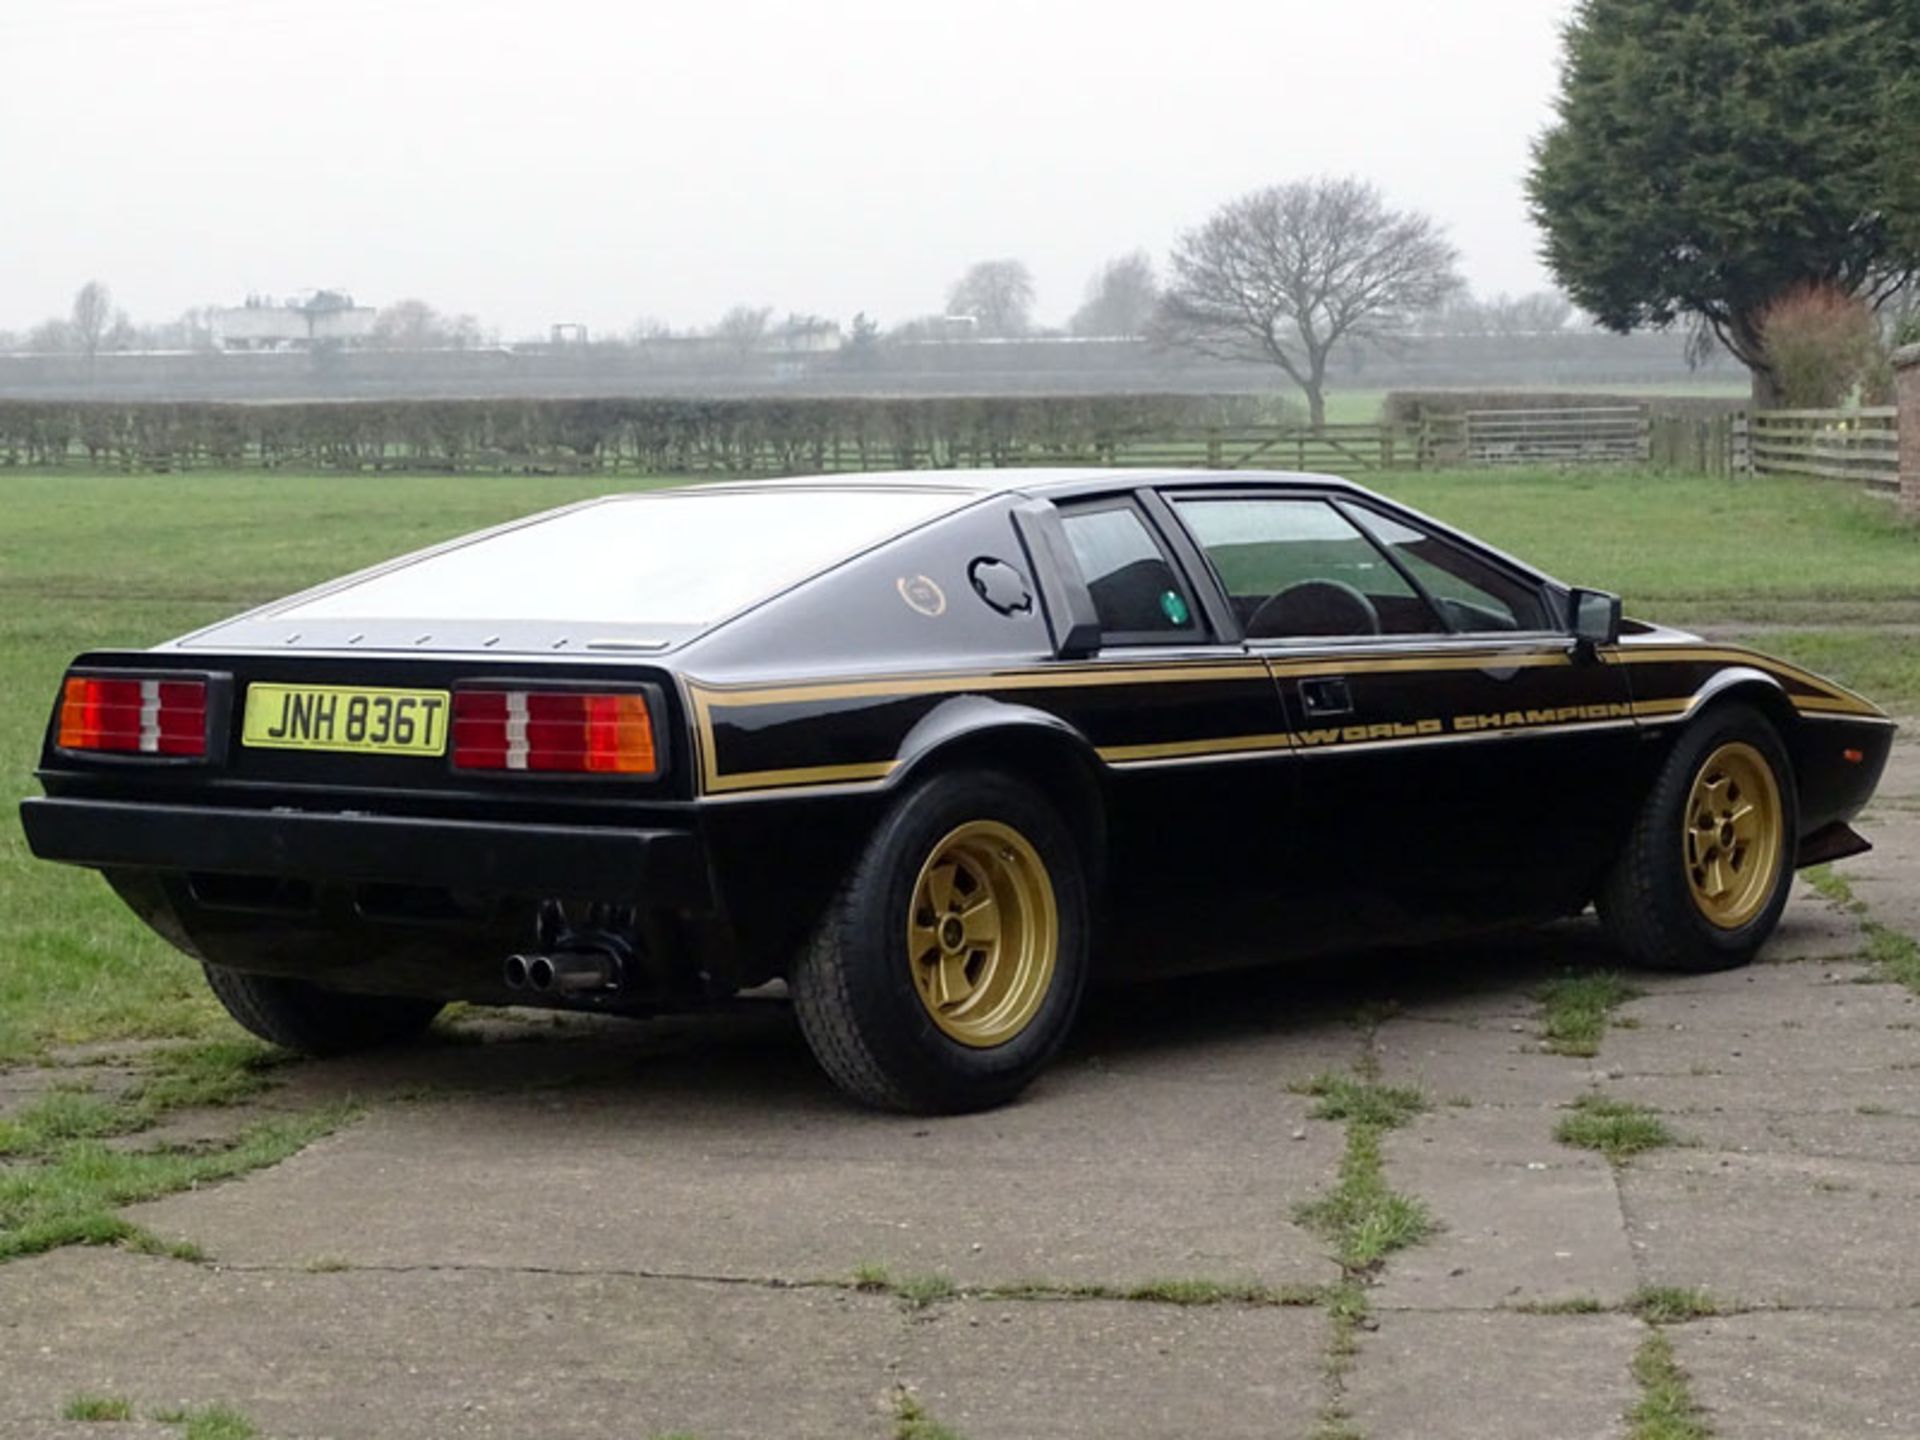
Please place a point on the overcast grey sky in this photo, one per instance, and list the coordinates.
(534, 161)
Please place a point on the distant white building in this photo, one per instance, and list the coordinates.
(326, 317)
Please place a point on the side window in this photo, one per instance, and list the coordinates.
(1136, 592)
(1298, 568)
(1476, 596)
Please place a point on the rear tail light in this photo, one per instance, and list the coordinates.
(557, 731)
(134, 715)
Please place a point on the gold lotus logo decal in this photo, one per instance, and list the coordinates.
(922, 594)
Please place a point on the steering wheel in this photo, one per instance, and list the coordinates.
(1314, 607)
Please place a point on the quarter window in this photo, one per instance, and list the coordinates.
(1295, 569)
(1475, 596)
(1136, 593)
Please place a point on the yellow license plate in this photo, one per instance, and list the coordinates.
(346, 717)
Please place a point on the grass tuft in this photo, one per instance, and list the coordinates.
(213, 1072)
(912, 1422)
(1362, 1102)
(1576, 1009)
(1570, 1305)
(917, 1292)
(1666, 1410)
(218, 1072)
(1365, 1218)
(1892, 953)
(69, 1198)
(1672, 1305)
(1895, 955)
(58, 1116)
(872, 1277)
(218, 1422)
(1618, 1129)
(97, 1408)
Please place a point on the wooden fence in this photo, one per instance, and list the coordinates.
(696, 437)
(1578, 435)
(1343, 449)
(1860, 445)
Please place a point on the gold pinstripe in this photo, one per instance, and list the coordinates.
(705, 697)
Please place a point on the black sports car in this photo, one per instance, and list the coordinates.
(935, 749)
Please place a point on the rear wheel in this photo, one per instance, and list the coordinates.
(949, 968)
(1705, 874)
(303, 1017)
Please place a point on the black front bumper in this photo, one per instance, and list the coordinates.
(652, 869)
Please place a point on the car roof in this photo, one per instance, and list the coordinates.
(1043, 481)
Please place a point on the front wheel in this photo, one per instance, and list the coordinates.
(950, 966)
(1705, 873)
(303, 1017)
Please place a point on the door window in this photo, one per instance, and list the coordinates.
(1299, 568)
(1475, 597)
(1136, 592)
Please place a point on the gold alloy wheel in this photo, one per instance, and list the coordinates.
(983, 934)
(1732, 831)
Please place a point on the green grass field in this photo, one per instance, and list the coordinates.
(97, 561)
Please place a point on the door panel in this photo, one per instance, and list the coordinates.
(1198, 757)
(1471, 784)
(1460, 763)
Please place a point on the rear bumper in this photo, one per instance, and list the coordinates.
(645, 868)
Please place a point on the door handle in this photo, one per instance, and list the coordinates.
(1326, 695)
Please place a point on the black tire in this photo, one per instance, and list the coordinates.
(853, 985)
(1647, 902)
(298, 1016)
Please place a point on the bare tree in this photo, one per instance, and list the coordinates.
(51, 337)
(1287, 274)
(92, 317)
(744, 328)
(1543, 312)
(416, 325)
(1121, 299)
(996, 293)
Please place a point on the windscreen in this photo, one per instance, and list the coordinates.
(669, 560)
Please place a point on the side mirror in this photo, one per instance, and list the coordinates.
(1594, 617)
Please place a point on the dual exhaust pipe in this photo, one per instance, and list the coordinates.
(568, 972)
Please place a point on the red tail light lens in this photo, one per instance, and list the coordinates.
(556, 731)
(134, 716)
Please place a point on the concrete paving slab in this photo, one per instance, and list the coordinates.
(1789, 1092)
(1524, 1219)
(444, 1354)
(1884, 878)
(1520, 1377)
(1775, 1229)
(482, 1354)
(1812, 928)
(1107, 1180)
(1840, 1135)
(1766, 1023)
(1816, 1376)
(1500, 1064)
(1059, 1371)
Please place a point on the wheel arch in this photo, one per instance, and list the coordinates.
(1034, 745)
(1745, 685)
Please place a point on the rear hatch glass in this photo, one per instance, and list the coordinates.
(638, 571)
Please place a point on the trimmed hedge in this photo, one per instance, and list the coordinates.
(642, 436)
